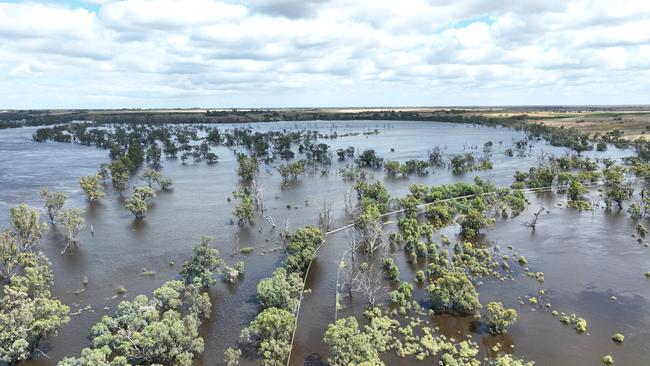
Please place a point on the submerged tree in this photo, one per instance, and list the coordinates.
(372, 193)
(349, 345)
(120, 181)
(282, 290)
(499, 318)
(244, 210)
(325, 215)
(28, 313)
(533, 221)
(291, 171)
(440, 214)
(370, 283)
(163, 329)
(232, 356)
(271, 333)
(473, 222)
(54, 202)
(151, 176)
(617, 190)
(120, 173)
(92, 186)
(27, 225)
(454, 292)
(248, 166)
(154, 154)
(369, 158)
(200, 268)
(73, 222)
(369, 226)
(137, 203)
(302, 248)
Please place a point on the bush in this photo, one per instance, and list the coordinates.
(419, 276)
(454, 292)
(391, 269)
(499, 318)
(302, 248)
(272, 329)
(473, 222)
(281, 290)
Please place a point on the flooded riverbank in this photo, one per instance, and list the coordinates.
(586, 257)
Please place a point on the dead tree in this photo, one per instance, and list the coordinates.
(286, 234)
(353, 243)
(258, 196)
(370, 283)
(533, 222)
(270, 220)
(348, 200)
(351, 274)
(235, 243)
(371, 236)
(325, 216)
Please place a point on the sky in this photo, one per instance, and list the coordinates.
(322, 53)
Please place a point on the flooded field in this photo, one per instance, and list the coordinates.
(593, 265)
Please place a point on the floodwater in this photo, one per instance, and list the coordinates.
(586, 257)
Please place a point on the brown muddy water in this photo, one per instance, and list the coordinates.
(586, 257)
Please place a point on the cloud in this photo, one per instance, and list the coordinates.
(140, 53)
(287, 8)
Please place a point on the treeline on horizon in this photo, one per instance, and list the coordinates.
(557, 136)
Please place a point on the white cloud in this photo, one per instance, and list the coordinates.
(139, 53)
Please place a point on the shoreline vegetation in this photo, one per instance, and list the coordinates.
(576, 128)
(624, 122)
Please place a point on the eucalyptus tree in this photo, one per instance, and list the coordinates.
(369, 158)
(473, 222)
(92, 186)
(454, 292)
(392, 167)
(73, 222)
(232, 356)
(248, 166)
(499, 318)
(271, 332)
(28, 312)
(120, 173)
(211, 157)
(244, 210)
(373, 193)
(291, 171)
(350, 345)
(165, 183)
(369, 226)
(369, 282)
(161, 329)
(154, 154)
(616, 190)
(151, 176)
(301, 248)
(205, 261)
(436, 157)
(282, 290)
(27, 225)
(170, 149)
(54, 202)
(138, 203)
